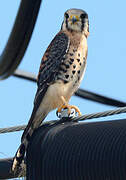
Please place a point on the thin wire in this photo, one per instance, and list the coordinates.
(12, 129)
(100, 114)
(21, 127)
(79, 118)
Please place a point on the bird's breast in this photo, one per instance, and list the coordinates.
(73, 66)
(53, 99)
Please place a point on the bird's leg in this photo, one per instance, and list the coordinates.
(69, 107)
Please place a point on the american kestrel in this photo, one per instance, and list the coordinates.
(61, 71)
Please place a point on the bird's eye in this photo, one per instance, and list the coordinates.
(82, 16)
(66, 15)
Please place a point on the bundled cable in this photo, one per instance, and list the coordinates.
(78, 151)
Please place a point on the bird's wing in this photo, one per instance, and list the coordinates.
(53, 57)
(49, 67)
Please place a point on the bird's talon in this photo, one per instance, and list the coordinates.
(69, 107)
(76, 109)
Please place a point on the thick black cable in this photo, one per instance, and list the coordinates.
(5, 165)
(19, 37)
(99, 98)
(25, 75)
(80, 92)
(78, 151)
(5, 169)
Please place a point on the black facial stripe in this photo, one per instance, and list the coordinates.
(66, 16)
(88, 26)
(82, 24)
(84, 19)
(62, 25)
(66, 23)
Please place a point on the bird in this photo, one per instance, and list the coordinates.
(61, 70)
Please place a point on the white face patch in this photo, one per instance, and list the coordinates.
(75, 27)
(75, 20)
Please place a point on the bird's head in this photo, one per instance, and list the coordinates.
(76, 20)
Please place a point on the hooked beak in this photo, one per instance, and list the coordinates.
(74, 19)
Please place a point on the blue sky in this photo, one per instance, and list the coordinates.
(106, 63)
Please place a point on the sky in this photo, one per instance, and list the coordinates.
(106, 63)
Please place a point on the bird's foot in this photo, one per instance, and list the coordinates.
(69, 107)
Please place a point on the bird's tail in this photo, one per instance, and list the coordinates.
(33, 124)
(18, 159)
